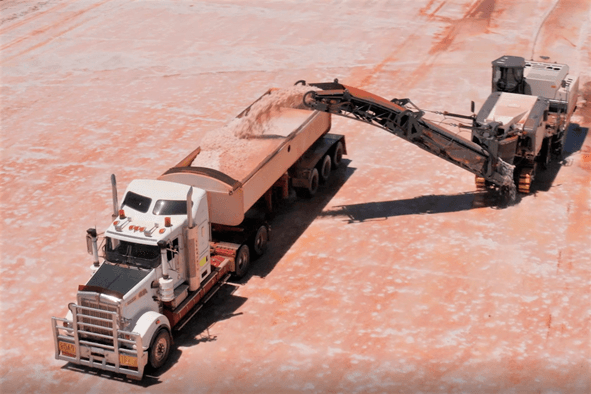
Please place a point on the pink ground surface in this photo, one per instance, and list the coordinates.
(391, 280)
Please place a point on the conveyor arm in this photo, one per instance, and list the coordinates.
(394, 117)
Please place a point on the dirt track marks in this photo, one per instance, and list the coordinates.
(476, 20)
(26, 18)
(561, 31)
(38, 32)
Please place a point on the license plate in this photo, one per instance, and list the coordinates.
(67, 349)
(128, 360)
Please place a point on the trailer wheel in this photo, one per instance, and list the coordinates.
(242, 261)
(314, 182)
(261, 238)
(160, 349)
(337, 156)
(325, 168)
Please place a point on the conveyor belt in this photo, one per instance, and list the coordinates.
(408, 124)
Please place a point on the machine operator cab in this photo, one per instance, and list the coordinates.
(508, 75)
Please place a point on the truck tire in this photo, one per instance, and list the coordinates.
(160, 349)
(314, 182)
(325, 167)
(242, 261)
(261, 238)
(337, 156)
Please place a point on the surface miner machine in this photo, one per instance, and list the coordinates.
(522, 124)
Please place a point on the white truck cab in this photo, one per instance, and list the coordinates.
(154, 254)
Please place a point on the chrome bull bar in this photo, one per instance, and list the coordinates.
(97, 342)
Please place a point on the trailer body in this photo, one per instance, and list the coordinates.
(231, 194)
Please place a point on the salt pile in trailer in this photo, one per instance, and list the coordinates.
(238, 147)
(240, 162)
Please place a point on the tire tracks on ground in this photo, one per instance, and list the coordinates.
(38, 32)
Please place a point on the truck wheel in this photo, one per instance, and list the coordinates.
(261, 238)
(337, 156)
(314, 182)
(325, 168)
(160, 349)
(242, 261)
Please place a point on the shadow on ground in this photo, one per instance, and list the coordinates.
(574, 140)
(435, 204)
(382, 210)
(294, 217)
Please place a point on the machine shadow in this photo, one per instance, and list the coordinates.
(573, 142)
(432, 204)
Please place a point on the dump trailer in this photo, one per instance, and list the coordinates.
(175, 240)
(521, 124)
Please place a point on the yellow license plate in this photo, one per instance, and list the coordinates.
(67, 349)
(128, 360)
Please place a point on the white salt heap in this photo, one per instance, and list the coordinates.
(245, 141)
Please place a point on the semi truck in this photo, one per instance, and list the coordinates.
(175, 240)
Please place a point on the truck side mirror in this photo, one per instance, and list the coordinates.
(472, 106)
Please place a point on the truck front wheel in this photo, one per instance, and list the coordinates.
(160, 349)
(242, 261)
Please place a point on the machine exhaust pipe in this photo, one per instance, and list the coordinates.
(115, 202)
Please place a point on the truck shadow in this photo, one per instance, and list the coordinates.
(293, 217)
(147, 381)
(290, 220)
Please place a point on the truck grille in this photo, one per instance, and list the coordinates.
(89, 317)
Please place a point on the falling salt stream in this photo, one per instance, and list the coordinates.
(506, 170)
(231, 148)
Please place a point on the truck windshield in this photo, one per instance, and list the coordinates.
(170, 207)
(129, 253)
(138, 202)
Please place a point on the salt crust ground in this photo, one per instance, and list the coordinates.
(390, 281)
